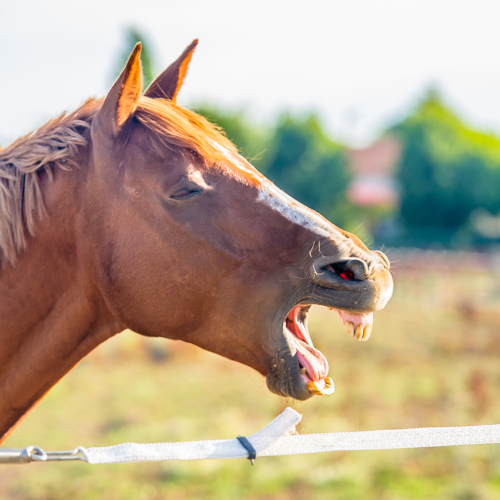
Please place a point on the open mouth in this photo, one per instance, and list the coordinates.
(312, 362)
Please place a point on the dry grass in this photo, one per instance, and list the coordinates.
(433, 360)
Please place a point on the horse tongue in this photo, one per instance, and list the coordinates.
(358, 325)
(311, 359)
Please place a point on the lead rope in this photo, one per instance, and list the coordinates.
(272, 440)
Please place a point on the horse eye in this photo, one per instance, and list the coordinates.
(185, 193)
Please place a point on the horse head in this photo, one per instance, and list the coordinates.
(189, 241)
(133, 212)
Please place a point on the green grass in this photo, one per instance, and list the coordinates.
(433, 360)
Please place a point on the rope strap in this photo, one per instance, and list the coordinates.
(252, 454)
(272, 440)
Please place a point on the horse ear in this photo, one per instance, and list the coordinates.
(120, 103)
(168, 84)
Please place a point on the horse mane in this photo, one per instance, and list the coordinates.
(174, 126)
(52, 146)
(48, 148)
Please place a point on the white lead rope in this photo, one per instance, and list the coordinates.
(272, 440)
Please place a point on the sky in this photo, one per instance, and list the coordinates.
(360, 64)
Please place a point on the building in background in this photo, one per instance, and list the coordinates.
(373, 168)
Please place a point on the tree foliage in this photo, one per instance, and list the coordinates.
(447, 169)
(299, 157)
(303, 161)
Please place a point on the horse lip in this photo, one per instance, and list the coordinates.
(284, 377)
(293, 386)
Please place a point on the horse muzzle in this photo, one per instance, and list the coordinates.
(351, 287)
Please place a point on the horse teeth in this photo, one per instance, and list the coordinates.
(303, 370)
(329, 383)
(358, 333)
(349, 328)
(313, 388)
(323, 387)
(367, 332)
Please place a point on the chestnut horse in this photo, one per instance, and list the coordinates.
(133, 212)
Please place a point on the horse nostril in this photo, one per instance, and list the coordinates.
(347, 275)
(351, 270)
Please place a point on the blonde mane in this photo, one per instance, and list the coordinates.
(52, 147)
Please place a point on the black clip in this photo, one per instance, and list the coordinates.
(252, 454)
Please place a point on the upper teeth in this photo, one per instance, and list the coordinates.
(367, 332)
(361, 332)
(349, 328)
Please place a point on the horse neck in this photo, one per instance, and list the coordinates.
(51, 316)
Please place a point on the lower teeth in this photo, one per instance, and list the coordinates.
(323, 387)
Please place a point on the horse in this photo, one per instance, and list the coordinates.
(134, 212)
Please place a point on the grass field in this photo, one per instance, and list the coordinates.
(433, 360)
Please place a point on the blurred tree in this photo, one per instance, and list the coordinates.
(251, 141)
(446, 168)
(307, 164)
(298, 156)
(132, 37)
